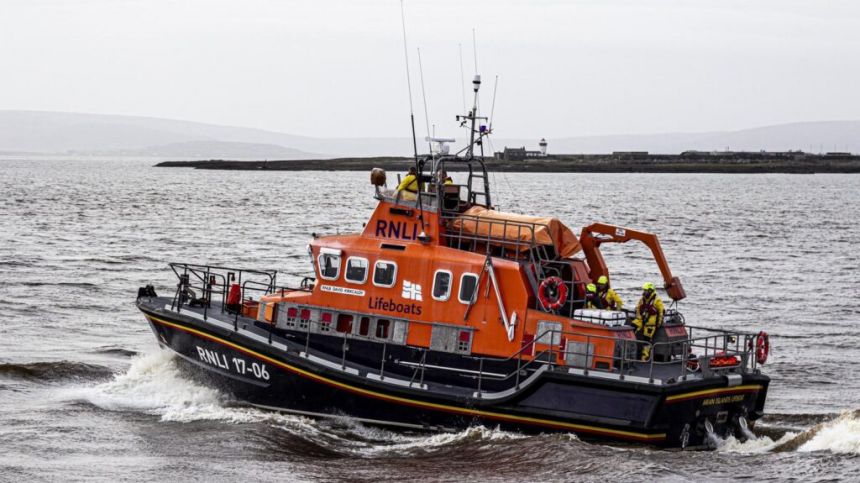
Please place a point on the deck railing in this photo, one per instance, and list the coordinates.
(687, 357)
(523, 247)
(214, 282)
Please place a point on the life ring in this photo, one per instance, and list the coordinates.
(552, 293)
(762, 347)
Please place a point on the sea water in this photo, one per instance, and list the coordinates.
(85, 393)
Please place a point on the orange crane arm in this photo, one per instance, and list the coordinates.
(593, 235)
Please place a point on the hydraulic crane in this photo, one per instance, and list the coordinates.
(594, 235)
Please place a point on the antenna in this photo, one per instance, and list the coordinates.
(475, 50)
(424, 95)
(462, 77)
(412, 116)
(408, 80)
(493, 106)
(473, 116)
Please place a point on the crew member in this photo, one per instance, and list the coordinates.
(608, 297)
(443, 178)
(408, 187)
(649, 316)
(592, 299)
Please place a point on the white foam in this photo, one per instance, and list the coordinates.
(401, 443)
(758, 444)
(153, 384)
(370, 440)
(842, 435)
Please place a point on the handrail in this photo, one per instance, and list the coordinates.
(624, 358)
(207, 278)
(531, 227)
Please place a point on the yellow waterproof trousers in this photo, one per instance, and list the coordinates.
(647, 329)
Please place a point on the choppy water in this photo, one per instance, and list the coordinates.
(86, 394)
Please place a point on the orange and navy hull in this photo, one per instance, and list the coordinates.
(255, 371)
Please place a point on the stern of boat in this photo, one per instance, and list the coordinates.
(697, 415)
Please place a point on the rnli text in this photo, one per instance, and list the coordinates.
(397, 229)
(239, 365)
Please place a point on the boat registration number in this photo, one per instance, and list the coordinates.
(236, 364)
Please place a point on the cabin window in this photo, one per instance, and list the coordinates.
(344, 323)
(451, 338)
(325, 321)
(468, 288)
(329, 262)
(579, 354)
(356, 269)
(306, 316)
(548, 332)
(288, 316)
(383, 328)
(364, 326)
(442, 285)
(399, 332)
(384, 273)
(464, 342)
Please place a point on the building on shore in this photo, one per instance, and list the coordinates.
(521, 153)
(627, 155)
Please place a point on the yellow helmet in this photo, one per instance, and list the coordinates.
(602, 280)
(648, 286)
(591, 288)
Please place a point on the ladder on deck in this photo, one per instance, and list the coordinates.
(474, 194)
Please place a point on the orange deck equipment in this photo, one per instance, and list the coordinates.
(502, 227)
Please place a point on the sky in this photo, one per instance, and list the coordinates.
(336, 68)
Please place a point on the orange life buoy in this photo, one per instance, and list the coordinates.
(552, 293)
(762, 347)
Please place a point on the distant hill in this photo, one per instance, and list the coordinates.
(813, 137)
(209, 150)
(96, 134)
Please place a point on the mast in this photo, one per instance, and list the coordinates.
(473, 115)
(412, 118)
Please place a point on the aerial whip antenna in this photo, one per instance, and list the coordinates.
(462, 77)
(412, 116)
(475, 53)
(475, 50)
(424, 95)
(408, 82)
(493, 106)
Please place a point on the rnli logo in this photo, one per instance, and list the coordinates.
(411, 291)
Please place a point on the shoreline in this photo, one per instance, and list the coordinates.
(741, 163)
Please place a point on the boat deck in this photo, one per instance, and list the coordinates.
(417, 373)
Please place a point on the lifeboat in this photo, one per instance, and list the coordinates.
(444, 313)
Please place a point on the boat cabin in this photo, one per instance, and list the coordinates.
(441, 269)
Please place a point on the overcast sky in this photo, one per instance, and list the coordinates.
(336, 68)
